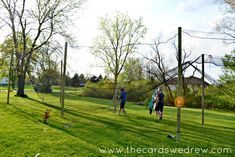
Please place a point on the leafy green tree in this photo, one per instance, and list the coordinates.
(119, 38)
(68, 80)
(227, 26)
(75, 80)
(4, 64)
(229, 67)
(47, 78)
(133, 70)
(227, 89)
(229, 61)
(47, 72)
(41, 21)
(6, 49)
(82, 78)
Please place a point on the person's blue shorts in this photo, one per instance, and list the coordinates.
(159, 106)
(122, 104)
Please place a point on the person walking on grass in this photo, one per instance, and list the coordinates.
(152, 103)
(160, 103)
(122, 101)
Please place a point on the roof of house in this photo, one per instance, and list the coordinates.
(192, 80)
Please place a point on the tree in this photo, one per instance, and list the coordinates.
(119, 38)
(231, 3)
(75, 80)
(229, 67)
(4, 63)
(229, 61)
(7, 48)
(47, 78)
(159, 69)
(82, 78)
(46, 68)
(227, 88)
(226, 25)
(133, 70)
(47, 19)
(68, 80)
(185, 56)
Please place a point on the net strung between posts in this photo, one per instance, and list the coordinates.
(216, 60)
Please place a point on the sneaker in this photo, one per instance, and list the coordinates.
(160, 118)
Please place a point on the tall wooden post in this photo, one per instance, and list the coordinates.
(9, 79)
(61, 79)
(180, 83)
(203, 90)
(63, 82)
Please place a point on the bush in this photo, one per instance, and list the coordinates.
(43, 88)
(142, 90)
(102, 89)
(193, 101)
(221, 97)
(137, 91)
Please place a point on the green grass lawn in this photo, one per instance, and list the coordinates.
(27, 87)
(74, 90)
(89, 126)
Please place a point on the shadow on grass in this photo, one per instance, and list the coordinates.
(106, 127)
(138, 129)
(44, 103)
(72, 96)
(35, 117)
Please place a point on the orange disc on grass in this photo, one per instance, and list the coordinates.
(179, 101)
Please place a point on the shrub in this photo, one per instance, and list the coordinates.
(142, 90)
(137, 91)
(102, 89)
(221, 97)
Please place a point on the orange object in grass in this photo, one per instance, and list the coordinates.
(179, 101)
(46, 115)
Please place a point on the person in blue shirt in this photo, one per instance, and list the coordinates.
(123, 101)
(160, 103)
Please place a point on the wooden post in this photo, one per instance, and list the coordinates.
(9, 79)
(61, 78)
(180, 83)
(203, 90)
(63, 82)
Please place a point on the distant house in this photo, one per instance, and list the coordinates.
(96, 79)
(190, 81)
(4, 81)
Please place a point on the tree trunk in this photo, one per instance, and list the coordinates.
(115, 83)
(22, 70)
(170, 94)
(21, 84)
